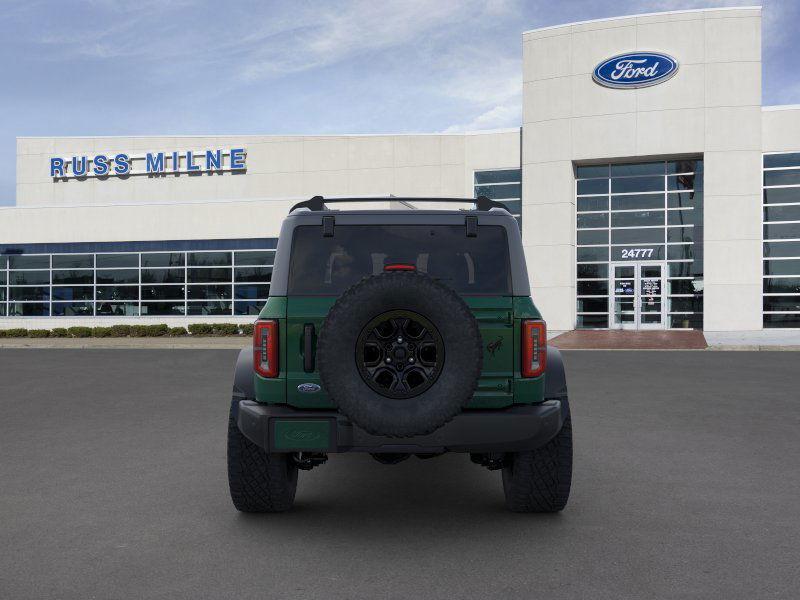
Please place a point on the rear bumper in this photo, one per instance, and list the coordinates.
(280, 428)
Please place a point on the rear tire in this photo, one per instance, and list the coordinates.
(258, 481)
(540, 480)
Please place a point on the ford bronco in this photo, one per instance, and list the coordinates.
(398, 333)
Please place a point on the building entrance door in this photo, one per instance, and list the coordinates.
(636, 298)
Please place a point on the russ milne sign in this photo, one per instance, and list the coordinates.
(635, 70)
(151, 163)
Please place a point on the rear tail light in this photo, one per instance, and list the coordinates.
(400, 267)
(265, 348)
(534, 348)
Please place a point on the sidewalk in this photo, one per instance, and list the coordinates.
(151, 343)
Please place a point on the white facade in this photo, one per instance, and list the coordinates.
(709, 111)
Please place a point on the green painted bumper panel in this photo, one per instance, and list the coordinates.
(293, 435)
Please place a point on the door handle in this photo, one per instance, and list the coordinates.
(308, 348)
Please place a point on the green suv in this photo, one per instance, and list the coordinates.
(398, 333)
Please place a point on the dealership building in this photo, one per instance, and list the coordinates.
(653, 190)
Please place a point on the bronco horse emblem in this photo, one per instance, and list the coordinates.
(495, 345)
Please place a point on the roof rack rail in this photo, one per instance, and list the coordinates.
(317, 203)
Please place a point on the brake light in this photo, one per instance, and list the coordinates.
(265, 348)
(400, 267)
(534, 348)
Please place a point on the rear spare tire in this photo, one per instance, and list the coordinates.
(400, 354)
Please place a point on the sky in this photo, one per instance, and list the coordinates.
(174, 67)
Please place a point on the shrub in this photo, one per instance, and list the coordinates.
(246, 329)
(157, 330)
(16, 332)
(38, 333)
(201, 329)
(138, 331)
(80, 332)
(59, 332)
(177, 331)
(101, 332)
(225, 329)
(120, 330)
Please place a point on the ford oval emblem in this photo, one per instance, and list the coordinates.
(308, 388)
(635, 70)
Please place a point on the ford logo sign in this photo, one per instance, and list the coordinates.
(635, 70)
(308, 388)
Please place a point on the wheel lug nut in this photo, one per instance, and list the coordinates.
(388, 359)
(411, 359)
(399, 340)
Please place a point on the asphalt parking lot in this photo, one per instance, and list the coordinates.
(113, 485)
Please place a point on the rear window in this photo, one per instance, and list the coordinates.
(329, 265)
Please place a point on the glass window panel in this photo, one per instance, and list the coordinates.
(684, 286)
(782, 249)
(624, 271)
(592, 288)
(680, 269)
(29, 277)
(251, 292)
(782, 303)
(782, 267)
(592, 322)
(163, 276)
(209, 275)
(498, 176)
(259, 257)
(118, 292)
(2, 294)
(782, 213)
(593, 220)
(29, 293)
(592, 271)
(163, 259)
(86, 276)
(253, 274)
(73, 309)
(636, 184)
(113, 261)
(3, 262)
(3, 308)
(118, 276)
(684, 166)
(637, 219)
(694, 304)
(684, 199)
(648, 168)
(684, 182)
(782, 285)
(782, 231)
(584, 204)
(591, 236)
(29, 262)
(2, 277)
(686, 321)
(592, 254)
(680, 234)
(513, 206)
(209, 259)
(593, 305)
(680, 252)
(73, 261)
(28, 309)
(117, 309)
(637, 202)
(162, 292)
(638, 252)
(789, 159)
(499, 192)
(788, 177)
(593, 186)
(587, 171)
(83, 292)
(162, 309)
(249, 307)
(209, 292)
(637, 236)
(683, 217)
(209, 308)
(782, 195)
(787, 320)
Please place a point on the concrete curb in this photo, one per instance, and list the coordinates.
(167, 343)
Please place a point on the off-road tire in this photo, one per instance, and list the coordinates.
(539, 480)
(456, 382)
(258, 481)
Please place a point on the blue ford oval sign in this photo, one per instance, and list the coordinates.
(635, 70)
(308, 388)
